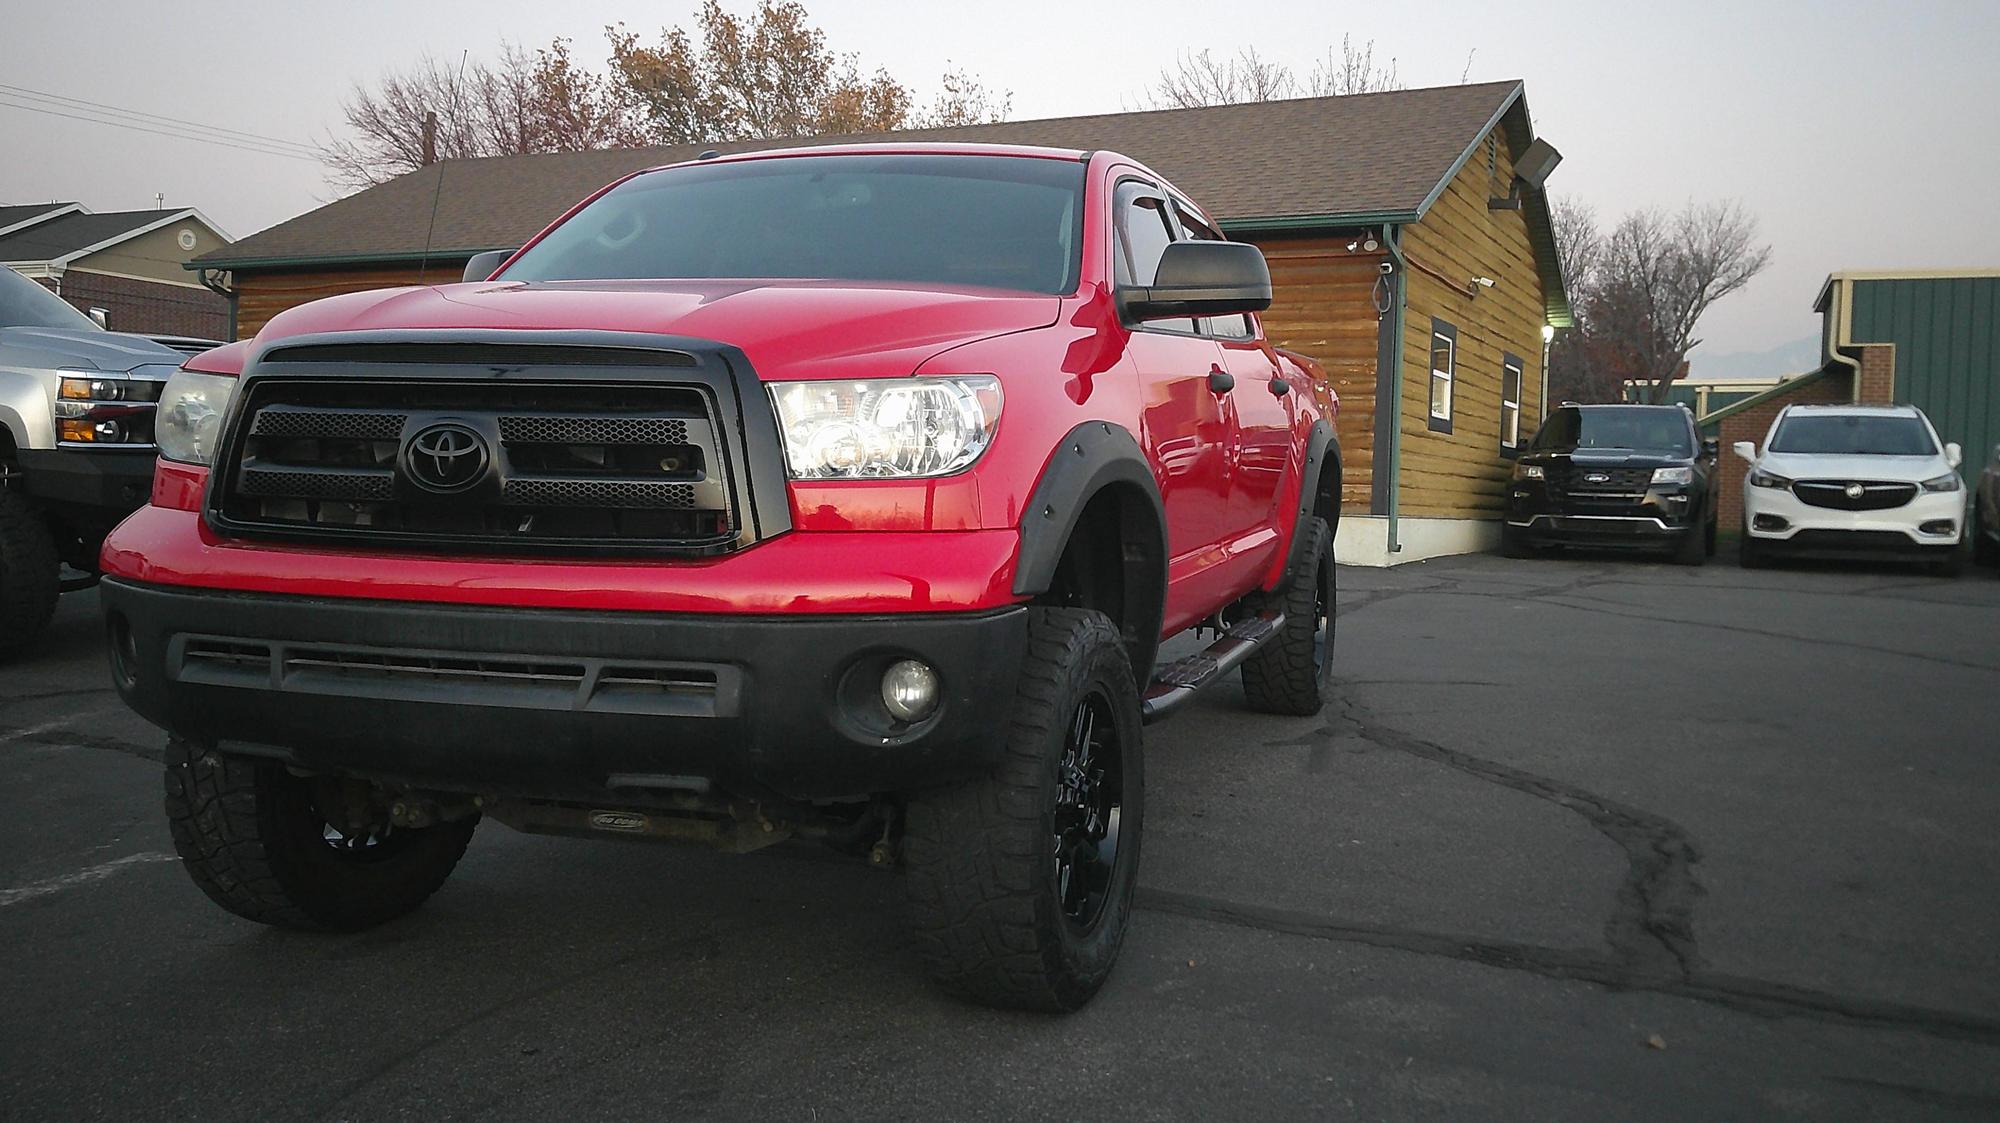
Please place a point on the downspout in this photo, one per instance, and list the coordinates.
(1838, 337)
(1399, 294)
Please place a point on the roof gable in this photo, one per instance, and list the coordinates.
(62, 239)
(19, 216)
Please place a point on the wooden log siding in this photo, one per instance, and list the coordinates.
(1323, 306)
(1462, 474)
(260, 296)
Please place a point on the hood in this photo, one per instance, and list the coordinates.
(790, 329)
(1893, 469)
(1609, 458)
(108, 351)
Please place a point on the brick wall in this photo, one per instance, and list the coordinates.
(1878, 375)
(1753, 425)
(147, 307)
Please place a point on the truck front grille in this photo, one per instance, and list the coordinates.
(1581, 480)
(480, 463)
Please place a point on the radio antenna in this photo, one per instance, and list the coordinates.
(457, 88)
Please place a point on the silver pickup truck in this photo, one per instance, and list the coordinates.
(76, 444)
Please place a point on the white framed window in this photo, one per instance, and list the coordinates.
(1444, 368)
(1510, 402)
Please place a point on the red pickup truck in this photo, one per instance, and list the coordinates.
(843, 493)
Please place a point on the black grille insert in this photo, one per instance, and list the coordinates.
(1582, 479)
(1854, 495)
(550, 464)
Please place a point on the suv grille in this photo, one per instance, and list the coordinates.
(532, 464)
(1834, 494)
(1580, 480)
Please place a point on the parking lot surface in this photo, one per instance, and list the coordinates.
(1583, 839)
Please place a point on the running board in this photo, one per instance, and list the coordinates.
(1179, 681)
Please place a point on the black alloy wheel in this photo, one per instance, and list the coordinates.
(1090, 801)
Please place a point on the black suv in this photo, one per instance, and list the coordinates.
(1614, 476)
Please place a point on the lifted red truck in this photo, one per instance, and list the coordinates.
(843, 493)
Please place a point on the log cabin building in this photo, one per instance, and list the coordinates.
(1407, 231)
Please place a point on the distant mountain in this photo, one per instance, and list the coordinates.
(1786, 358)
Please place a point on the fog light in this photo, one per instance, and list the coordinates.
(909, 690)
(1769, 522)
(1938, 526)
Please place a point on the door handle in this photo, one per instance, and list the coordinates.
(1221, 381)
(1279, 387)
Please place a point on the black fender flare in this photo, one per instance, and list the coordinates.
(1090, 458)
(1320, 443)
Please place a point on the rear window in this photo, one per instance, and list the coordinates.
(1854, 435)
(988, 221)
(1657, 429)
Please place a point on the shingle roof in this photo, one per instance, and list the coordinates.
(46, 241)
(12, 213)
(1379, 156)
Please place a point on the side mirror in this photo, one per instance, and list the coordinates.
(1953, 455)
(100, 317)
(1201, 279)
(1745, 449)
(1711, 447)
(482, 265)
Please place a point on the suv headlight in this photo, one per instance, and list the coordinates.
(1947, 482)
(1673, 475)
(1760, 478)
(92, 407)
(889, 429)
(189, 422)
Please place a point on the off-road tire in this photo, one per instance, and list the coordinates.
(1292, 673)
(1514, 542)
(980, 858)
(248, 835)
(1692, 547)
(30, 573)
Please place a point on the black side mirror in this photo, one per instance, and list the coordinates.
(1201, 279)
(1711, 447)
(482, 265)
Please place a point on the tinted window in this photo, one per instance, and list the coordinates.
(1662, 429)
(1854, 435)
(999, 222)
(1144, 232)
(25, 304)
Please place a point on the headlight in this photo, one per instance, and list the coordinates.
(1760, 478)
(1529, 472)
(190, 417)
(1673, 475)
(92, 407)
(1947, 482)
(895, 428)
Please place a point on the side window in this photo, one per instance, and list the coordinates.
(1227, 327)
(1144, 232)
(1444, 369)
(1510, 402)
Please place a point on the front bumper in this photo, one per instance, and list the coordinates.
(1653, 518)
(114, 481)
(556, 704)
(1824, 529)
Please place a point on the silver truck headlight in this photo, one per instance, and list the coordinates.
(888, 429)
(189, 421)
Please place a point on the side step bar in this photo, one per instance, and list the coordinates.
(1179, 681)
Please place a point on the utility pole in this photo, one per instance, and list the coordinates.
(430, 138)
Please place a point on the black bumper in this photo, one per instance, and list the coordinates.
(1657, 520)
(114, 481)
(557, 704)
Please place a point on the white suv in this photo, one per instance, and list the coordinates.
(1852, 481)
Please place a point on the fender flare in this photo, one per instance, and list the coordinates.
(1320, 443)
(1091, 457)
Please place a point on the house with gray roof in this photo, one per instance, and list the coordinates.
(125, 266)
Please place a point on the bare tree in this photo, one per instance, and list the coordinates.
(1354, 72)
(1201, 78)
(964, 100)
(1641, 291)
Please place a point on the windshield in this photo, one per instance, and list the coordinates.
(1660, 429)
(1854, 434)
(25, 304)
(992, 221)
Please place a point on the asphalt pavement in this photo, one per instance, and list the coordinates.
(1582, 839)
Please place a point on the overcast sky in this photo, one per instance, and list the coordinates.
(1862, 134)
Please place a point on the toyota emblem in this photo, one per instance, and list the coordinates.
(446, 458)
(1854, 491)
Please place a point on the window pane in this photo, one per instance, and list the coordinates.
(1510, 424)
(1441, 356)
(1440, 396)
(1143, 235)
(1510, 383)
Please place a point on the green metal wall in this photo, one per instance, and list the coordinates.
(1947, 336)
